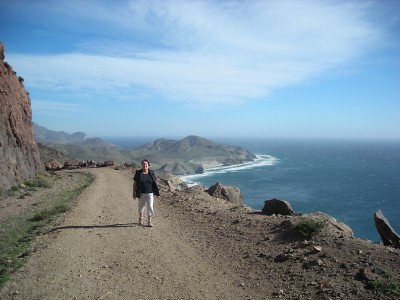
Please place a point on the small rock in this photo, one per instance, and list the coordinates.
(354, 291)
(317, 249)
(281, 258)
(266, 238)
(313, 264)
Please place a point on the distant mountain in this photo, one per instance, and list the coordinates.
(195, 147)
(50, 137)
(191, 155)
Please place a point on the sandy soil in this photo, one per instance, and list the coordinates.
(199, 248)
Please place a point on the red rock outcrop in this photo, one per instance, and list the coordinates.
(19, 154)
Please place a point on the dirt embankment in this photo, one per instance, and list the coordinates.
(199, 248)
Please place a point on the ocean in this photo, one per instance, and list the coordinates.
(346, 179)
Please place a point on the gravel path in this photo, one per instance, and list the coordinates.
(100, 252)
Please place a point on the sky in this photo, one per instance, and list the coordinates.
(275, 69)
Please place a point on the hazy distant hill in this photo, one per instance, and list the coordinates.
(46, 136)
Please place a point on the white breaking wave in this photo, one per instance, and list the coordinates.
(260, 161)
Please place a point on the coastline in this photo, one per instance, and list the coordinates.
(347, 179)
(212, 169)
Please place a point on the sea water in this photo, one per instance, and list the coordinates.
(348, 180)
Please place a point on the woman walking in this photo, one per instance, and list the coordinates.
(144, 188)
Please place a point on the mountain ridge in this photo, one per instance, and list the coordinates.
(46, 136)
(191, 155)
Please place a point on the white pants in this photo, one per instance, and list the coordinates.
(146, 201)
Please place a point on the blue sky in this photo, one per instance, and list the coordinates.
(301, 69)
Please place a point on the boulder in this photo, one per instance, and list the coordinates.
(228, 193)
(109, 163)
(53, 165)
(277, 207)
(71, 164)
(170, 182)
(385, 230)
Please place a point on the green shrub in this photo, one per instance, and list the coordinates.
(39, 216)
(28, 185)
(388, 286)
(14, 243)
(48, 214)
(309, 228)
(235, 208)
(8, 193)
(38, 181)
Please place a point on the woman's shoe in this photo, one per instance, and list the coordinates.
(149, 222)
(141, 221)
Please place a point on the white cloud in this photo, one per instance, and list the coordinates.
(46, 106)
(207, 52)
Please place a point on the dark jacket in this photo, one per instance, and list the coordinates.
(137, 178)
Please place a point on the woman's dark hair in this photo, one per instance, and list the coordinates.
(145, 160)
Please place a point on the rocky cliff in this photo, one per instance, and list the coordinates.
(19, 154)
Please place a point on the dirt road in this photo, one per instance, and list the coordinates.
(100, 252)
(201, 247)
